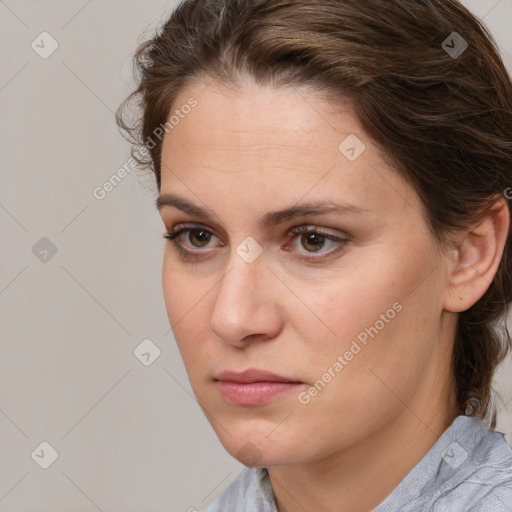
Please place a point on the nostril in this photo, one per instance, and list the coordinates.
(253, 337)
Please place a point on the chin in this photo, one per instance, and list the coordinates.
(251, 444)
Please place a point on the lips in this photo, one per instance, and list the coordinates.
(253, 386)
(251, 375)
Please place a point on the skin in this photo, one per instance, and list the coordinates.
(243, 153)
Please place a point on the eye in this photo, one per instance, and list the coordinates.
(190, 239)
(313, 240)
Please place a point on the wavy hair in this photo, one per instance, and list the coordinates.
(440, 111)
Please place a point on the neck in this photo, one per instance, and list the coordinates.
(361, 476)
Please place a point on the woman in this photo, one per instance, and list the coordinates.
(334, 178)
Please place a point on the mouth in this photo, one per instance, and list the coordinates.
(253, 387)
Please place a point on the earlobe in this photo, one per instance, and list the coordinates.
(477, 259)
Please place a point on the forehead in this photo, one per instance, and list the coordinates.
(286, 142)
(253, 116)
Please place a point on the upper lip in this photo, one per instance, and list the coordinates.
(251, 375)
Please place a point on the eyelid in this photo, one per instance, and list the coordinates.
(313, 228)
(303, 228)
(340, 240)
(192, 226)
(191, 253)
(176, 231)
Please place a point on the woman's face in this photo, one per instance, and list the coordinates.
(349, 320)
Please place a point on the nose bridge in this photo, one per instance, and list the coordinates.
(238, 289)
(240, 309)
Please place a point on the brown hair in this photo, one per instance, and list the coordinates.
(444, 118)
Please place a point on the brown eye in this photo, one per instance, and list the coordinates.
(312, 242)
(308, 240)
(187, 238)
(199, 237)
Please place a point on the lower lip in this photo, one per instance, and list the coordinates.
(254, 393)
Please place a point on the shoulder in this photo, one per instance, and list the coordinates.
(469, 469)
(251, 490)
(482, 478)
(490, 483)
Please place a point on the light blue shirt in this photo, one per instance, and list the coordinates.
(469, 469)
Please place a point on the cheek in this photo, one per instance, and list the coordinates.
(371, 316)
(384, 322)
(181, 299)
(346, 308)
(188, 309)
(183, 290)
(174, 287)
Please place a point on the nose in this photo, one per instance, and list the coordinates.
(246, 307)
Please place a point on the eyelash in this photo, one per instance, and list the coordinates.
(297, 231)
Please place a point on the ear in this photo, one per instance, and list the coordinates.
(477, 258)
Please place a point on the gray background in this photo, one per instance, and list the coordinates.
(129, 437)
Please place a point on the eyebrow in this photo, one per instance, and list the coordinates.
(270, 218)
